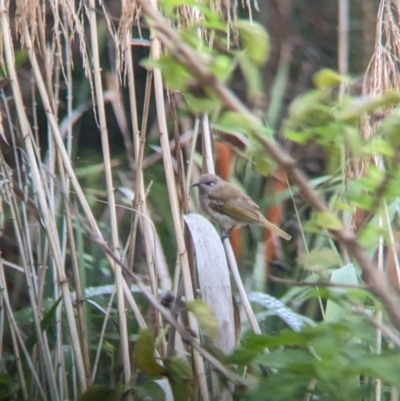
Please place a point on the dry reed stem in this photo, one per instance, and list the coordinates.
(67, 221)
(69, 238)
(52, 159)
(102, 335)
(110, 191)
(140, 201)
(48, 221)
(21, 240)
(139, 140)
(173, 339)
(376, 280)
(75, 183)
(16, 335)
(383, 72)
(17, 355)
(174, 204)
(192, 154)
(140, 196)
(70, 172)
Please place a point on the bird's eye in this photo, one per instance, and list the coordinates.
(210, 183)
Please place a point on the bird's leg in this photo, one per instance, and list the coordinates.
(226, 233)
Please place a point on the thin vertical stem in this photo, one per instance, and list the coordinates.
(48, 222)
(174, 204)
(343, 40)
(68, 236)
(110, 190)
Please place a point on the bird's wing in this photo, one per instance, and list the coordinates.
(243, 210)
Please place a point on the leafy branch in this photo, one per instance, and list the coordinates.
(194, 62)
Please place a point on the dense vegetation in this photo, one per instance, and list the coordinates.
(113, 287)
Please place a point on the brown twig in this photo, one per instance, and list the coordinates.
(385, 330)
(294, 283)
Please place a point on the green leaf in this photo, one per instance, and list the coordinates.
(180, 376)
(176, 76)
(8, 386)
(320, 259)
(233, 122)
(149, 391)
(100, 392)
(253, 344)
(251, 74)
(390, 129)
(327, 78)
(309, 108)
(378, 146)
(203, 102)
(44, 324)
(222, 66)
(144, 354)
(205, 316)
(263, 164)
(254, 39)
(287, 358)
(48, 317)
(327, 220)
(287, 386)
(385, 367)
(344, 275)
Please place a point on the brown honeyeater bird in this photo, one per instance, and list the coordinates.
(229, 207)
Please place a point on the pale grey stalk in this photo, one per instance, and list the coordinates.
(68, 231)
(174, 203)
(17, 355)
(14, 329)
(23, 227)
(192, 153)
(2, 367)
(44, 354)
(208, 155)
(139, 139)
(35, 126)
(37, 182)
(70, 171)
(392, 244)
(240, 287)
(110, 190)
(59, 364)
(102, 333)
(140, 202)
(343, 40)
(380, 265)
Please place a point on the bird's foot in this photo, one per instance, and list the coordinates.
(224, 237)
(226, 234)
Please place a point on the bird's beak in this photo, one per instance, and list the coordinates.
(196, 184)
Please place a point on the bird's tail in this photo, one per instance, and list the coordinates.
(272, 227)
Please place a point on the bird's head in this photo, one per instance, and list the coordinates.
(208, 183)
